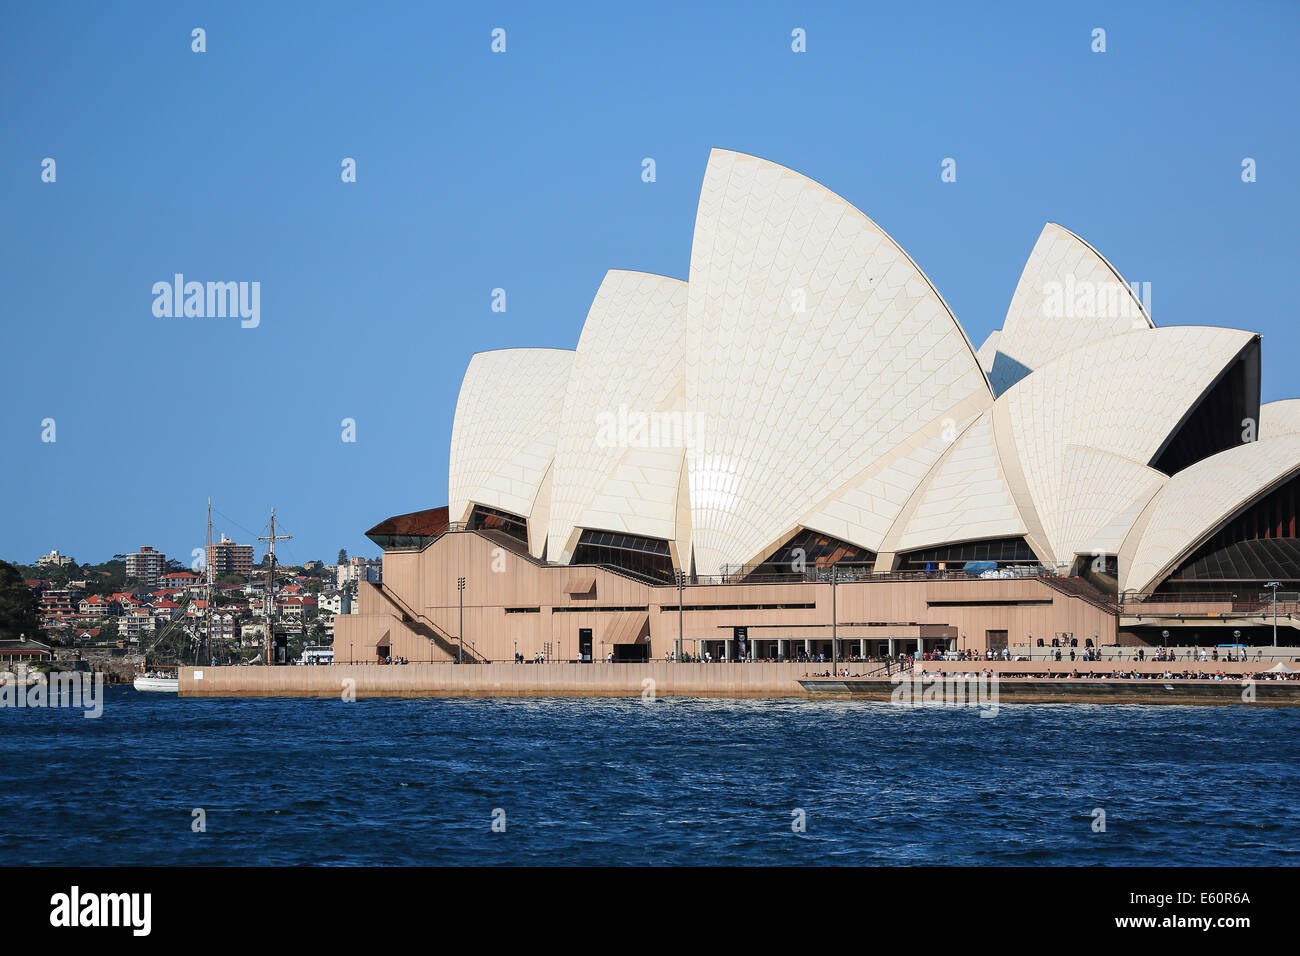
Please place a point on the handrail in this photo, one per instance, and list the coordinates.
(857, 574)
(415, 615)
(1197, 597)
(845, 572)
(1080, 589)
(893, 667)
(848, 571)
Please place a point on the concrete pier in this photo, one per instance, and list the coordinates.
(503, 679)
(1018, 690)
(729, 680)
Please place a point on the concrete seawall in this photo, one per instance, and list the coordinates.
(1087, 691)
(678, 680)
(499, 680)
(1058, 668)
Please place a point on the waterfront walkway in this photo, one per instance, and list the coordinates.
(653, 679)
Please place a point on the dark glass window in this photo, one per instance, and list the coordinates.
(1257, 546)
(401, 542)
(409, 532)
(1216, 423)
(649, 558)
(1000, 550)
(808, 550)
(483, 518)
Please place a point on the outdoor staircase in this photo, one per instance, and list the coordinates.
(422, 625)
(1081, 589)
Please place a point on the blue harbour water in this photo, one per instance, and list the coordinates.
(674, 781)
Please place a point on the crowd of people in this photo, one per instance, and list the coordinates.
(1119, 674)
(892, 664)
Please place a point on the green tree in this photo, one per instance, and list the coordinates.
(106, 578)
(18, 604)
(343, 556)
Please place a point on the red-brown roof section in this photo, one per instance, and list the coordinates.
(430, 522)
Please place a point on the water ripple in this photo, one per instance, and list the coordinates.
(678, 781)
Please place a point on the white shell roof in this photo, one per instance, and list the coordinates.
(817, 379)
(864, 510)
(988, 352)
(503, 435)
(966, 496)
(814, 346)
(1068, 296)
(1197, 501)
(1102, 495)
(620, 449)
(1279, 418)
(1123, 396)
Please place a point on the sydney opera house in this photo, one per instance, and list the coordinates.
(798, 450)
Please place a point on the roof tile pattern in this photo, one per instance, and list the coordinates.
(867, 507)
(1123, 396)
(817, 379)
(503, 435)
(622, 432)
(1103, 494)
(1197, 500)
(1279, 418)
(966, 498)
(814, 345)
(1068, 296)
(988, 352)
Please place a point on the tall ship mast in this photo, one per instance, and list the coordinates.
(207, 591)
(270, 587)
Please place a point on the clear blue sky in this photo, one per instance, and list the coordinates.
(522, 171)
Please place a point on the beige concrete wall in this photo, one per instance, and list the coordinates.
(497, 579)
(498, 680)
(566, 680)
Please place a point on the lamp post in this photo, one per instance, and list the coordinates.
(835, 643)
(1236, 637)
(681, 589)
(1273, 586)
(460, 633)
(1164, 638)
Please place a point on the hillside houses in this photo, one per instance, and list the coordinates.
(306, 602)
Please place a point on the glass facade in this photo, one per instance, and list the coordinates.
(409, 532)
(401, 542)
(647, 557)
(1259, 545)
(1216, 423)
(483, 518)
(807, 551)
(998, 550)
